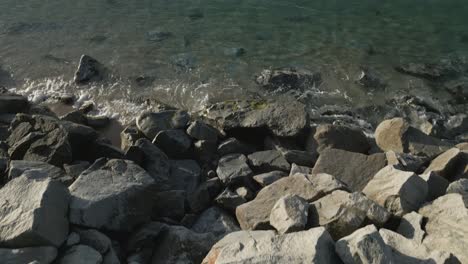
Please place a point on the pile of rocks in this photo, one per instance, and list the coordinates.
(241, 182)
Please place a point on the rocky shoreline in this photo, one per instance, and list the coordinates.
(247, 181)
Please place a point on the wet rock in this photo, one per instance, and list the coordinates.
(370, 79)
(311, 246)
(342, 213)
(409, 251)
(155, 162)
(75, 117)
(89, 69)
(229, 200)
(287, 79)
(38, 218)
(233, 169)
(80, 254)
(204, 195)
(268, 178)
(283, 117)
(174, 142)
(98, 122)
(411, 227)
(289, 214)
(448, 164)
(354, 169)
(40, 255)
(255, 214)
(169, 204)
(458, 89)
(184, 175)
(341, 137)
(233, 145)
(150, 124)
(364, 246)
(12, 104)
(446, 218)
(158, 35)
(111, 186)
(216, 221)
(436, 185)
(435, 71)
(202, 131)
(299, 169)
(460, 187)
(398, 191)
(268, 160)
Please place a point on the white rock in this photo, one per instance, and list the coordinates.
(289, 214)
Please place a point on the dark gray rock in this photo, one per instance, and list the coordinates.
(170, 204)
(184, 175)
(150, 124)
(287, 79)
(460, 187)
(435, 71)
(354, 169)
(216, 221)
(204, 195)
(204, 150)
(289, 214)
(112, 195)
(341, 137)
(129, 136)
(268, 160)
(38, 217)
(174, 142)
(11, 103)
(283, 117)
(233, 145)
(299, 157)
(89, 69)
(229, 200)
(94, 239)
(80, 254)
(233, 169)
(202, 131)
(98, 122)
(31, 255)
(155, 162)
(268, 178)
(370, 79)
(405, 161)
(76, 168)
(436, 185)
(37, 169)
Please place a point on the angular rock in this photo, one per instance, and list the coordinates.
(447, 164)
(76, 168)
(268, 160)
(342, 213)
(150, 124)
(283, 117)
(446, 227)
(389, 135)
(202, 131)
(233, 145)
(155, 162)
(460, 187)
(405, 161)
(12, 104)
(364, 245)
(299, 157)
(184, 175)
(38, 217)
(268, 178)
(289, 214)
(434, 71)
(35, 169)
(89, 69)
(173, 142)
(398, 191)
(229, 200)
(299, 169)
(341, 137)
(354, 169)
(311, 246)
(39, 255)
(80, 254)
(233, 169)
(204, 195)
(256, 213)
(285, 79)
(129, 136)
(436, 185)
(411, 227)
(113, 195)
(216, 221)
(405, 250)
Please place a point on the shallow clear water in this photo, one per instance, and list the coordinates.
(42, 40)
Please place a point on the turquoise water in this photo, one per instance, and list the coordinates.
(41, 41)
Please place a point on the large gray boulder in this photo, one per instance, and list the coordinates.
(174, 142)
(204, 195)
(342, 213)
(202, 131)
(268, 160)
(354, 169)
(283, 117)
(184, 175)
(89, 69)
(41, 255)
(448, 164)
(312, 246)
(37, 169)
(364, 245)
(80, 254)
(150, 124)
(155, 162)
(256, 213)
(216, 221)
(12, 103)
(289, 214)
(112, 194)
(233, 145)
(340, 137)
(398, 191)
(233, 169)
(446, 228)
(38, 217)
